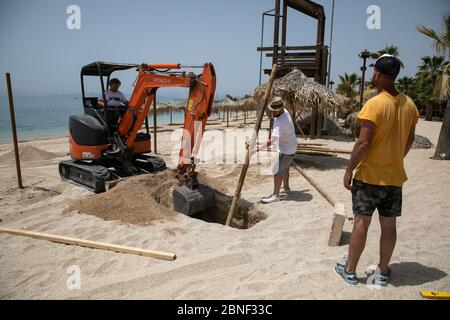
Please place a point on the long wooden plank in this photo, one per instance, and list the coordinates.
(90, 244)
(331, 200)
(287, 48)
(339, 216)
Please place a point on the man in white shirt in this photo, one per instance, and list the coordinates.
(114, 98)
(283, 141)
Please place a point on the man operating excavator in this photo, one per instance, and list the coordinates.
(114, 98)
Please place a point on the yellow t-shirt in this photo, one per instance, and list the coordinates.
(393, 116)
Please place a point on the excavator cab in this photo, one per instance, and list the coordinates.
(96, 147)
(108, 115)
(107, 144)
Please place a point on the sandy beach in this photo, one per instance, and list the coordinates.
(284, 256)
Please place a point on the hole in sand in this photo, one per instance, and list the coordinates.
(146, 199)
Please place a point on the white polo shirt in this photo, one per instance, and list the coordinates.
(114, 99)
(284, 139)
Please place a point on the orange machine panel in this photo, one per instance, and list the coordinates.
(79, 152)
(143, 146)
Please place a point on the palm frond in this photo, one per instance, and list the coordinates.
(441, 89)
(439, 45)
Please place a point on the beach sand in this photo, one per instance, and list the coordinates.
(285, 256)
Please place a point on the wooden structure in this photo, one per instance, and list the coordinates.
(311, 60)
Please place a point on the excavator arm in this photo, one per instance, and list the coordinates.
(197, 110)
(190, 196)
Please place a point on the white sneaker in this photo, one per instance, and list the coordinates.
(272, 198)
(285, 190)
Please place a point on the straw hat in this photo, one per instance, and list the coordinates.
(276, 104)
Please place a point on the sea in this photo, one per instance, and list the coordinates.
(47, 116)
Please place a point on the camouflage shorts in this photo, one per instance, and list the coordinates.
(368, 197)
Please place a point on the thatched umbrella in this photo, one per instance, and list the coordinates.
(246, 105)
(304, 94)
(368, 94)
(249, 104)
(225, 105)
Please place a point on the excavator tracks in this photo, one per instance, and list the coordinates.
(97, 177)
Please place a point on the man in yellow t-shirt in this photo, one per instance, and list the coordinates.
(387, 132)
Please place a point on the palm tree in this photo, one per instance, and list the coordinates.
(348, 84)
(429, 71)
(441, 43)
(405, 84)
(392, 50)
(431, 67)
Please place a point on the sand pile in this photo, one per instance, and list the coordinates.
(136, 200)
(28, 153)
(147, 198)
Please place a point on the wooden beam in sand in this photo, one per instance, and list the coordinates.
(339, 210)
(90, 244)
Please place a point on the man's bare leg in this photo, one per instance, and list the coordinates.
(277, 179)
(286, 179)
(357, 241)
(388, 239)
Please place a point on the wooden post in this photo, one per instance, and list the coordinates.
(331, 200)
(251, 146)
(155, 150)
(319, 124)
(14, 131)
(171, 115)
(228, 117)
(337, 226)
(312, 134)
(89, 244)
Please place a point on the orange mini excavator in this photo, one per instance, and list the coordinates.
(107, 144)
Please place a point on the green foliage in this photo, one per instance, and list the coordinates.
(392, 50)
(348, 85)
(231, 97)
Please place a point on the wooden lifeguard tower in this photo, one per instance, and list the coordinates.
(311, 60)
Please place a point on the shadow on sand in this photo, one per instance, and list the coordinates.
(414, 274)
(298, 196)
(321, 163)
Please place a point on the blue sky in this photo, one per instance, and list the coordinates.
(45, 57)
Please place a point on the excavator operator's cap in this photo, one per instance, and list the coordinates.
(387, 64)
(276, 104)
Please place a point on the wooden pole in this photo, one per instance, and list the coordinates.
(237, 193)
(155, 150)
(14, 131)
(331, 200)
(339, 215)
(90, 244)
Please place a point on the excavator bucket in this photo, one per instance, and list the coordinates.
(190, 201)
